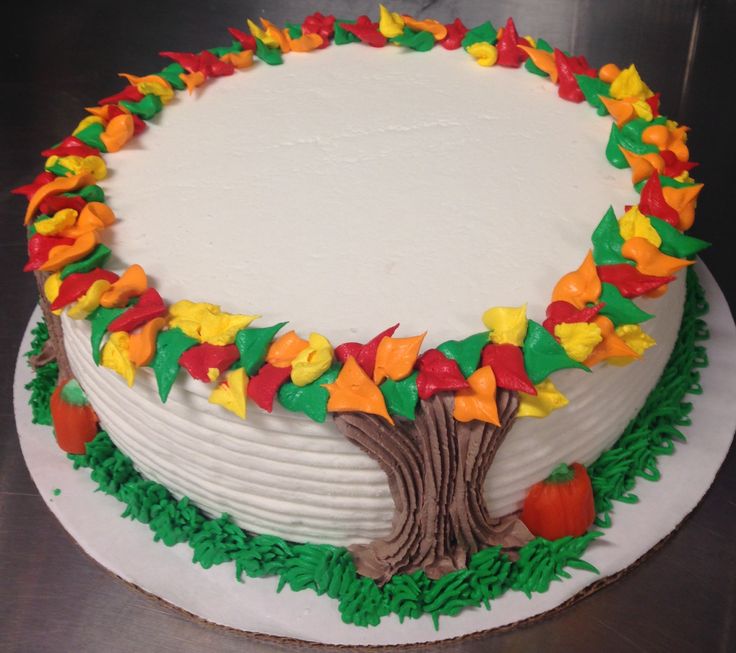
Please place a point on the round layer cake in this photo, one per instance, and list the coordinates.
(346, 191)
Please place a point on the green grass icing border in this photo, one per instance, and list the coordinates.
(329, 570)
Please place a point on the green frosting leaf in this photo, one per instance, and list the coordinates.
(271, 56)
(485, 32)
(629, 138)
(544, 355)
(99, 321)
(146, 108)
(619, 309)
(295, 30)
(91, 193)
(73, 394)
(58, 170)
(531, 66)
(592, 89)
(222, 50)
(170, 345)
(342, 36)
(90, 135)
(465, 352)
(401, 396)
(676, 243)
(96, 259)
(607, 241)
(253, 346)
(310, 399)
(419, 41)
(171, 74)
(667, 182)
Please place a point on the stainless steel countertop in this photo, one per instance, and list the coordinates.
(63, 56)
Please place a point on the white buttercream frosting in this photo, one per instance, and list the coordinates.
(345, 191)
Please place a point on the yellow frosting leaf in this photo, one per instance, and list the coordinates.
(152, 85)
(89, 301)
(578, 339)
(389, 23)
(51, 289)
(636, 338)
(206, 322)
(484, 53)
(312, 361)
(629, 84)
(507, 324)
(86, 122)
(231, 393)
(643, 110)
(115, 356)
(547, 399)
(93, 165)
(60, 221)
(634, 224)
(263, 35)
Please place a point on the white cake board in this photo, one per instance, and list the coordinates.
(127, 549)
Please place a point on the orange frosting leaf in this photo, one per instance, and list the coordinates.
(142, 343)
(238, 60)
(649, 260)
(56, 187)
(94, 216)
(62, 255)
(118, 132)
(192, 80)
(132, 283)
(434, 27)
(305, 43)
(579, 287)
(684, 201)
(609, 72)
(611, 345)
(353, 391)
(543, 60)
(395, 357)
(642, 167)
(277, 35)
(478, 402)
(284, 349)
(621, 111)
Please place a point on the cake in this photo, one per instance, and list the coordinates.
(475, 266)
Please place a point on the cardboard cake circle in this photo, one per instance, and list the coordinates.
(127, 549)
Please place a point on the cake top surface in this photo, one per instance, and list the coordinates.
(356, 188)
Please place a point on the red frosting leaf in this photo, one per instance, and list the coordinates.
(149, 306)
(364, 355)
(29, 189)
(129, 93)
(652, 202)
(437, 373)
(75, 285)
(200, 359)
(54, 203)
(561, 311)
(205, 62)
(507, 363)
(629, 281)
(71, 146)
(673, 167)
(39, 247)
(319, 24)
(367, 31)
(653, 102)
(510, 54)
(262, 388)
(246, 40)
(456, 32)
(567, 68)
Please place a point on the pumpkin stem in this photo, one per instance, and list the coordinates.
(73, 394)
(563, 473)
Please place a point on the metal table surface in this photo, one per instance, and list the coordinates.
(60, 57)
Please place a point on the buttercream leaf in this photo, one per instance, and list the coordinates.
(205, 362)
(636, 338)
(99, 321)
(396, 357)
(629, 84)
(206, 322)
(115, 356)
(478, 402)
(578, 339)
(309, 399)
(253, 346)
(437, 373)
(618, 308)
(312, 361)
(354, 391)
(580, 286)
(612, 346)
(466, 352)
(284, 349)
(231, 393)
(507, 324)
(401, 396)
(262, 387)
(547, 399)
(674, 242)
(607, 241)
(634, 223)
(544, 355)
(170, 345)
(507, 363)
(88, 302)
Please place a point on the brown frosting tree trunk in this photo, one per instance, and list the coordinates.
(54, 347)
(436, 468)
